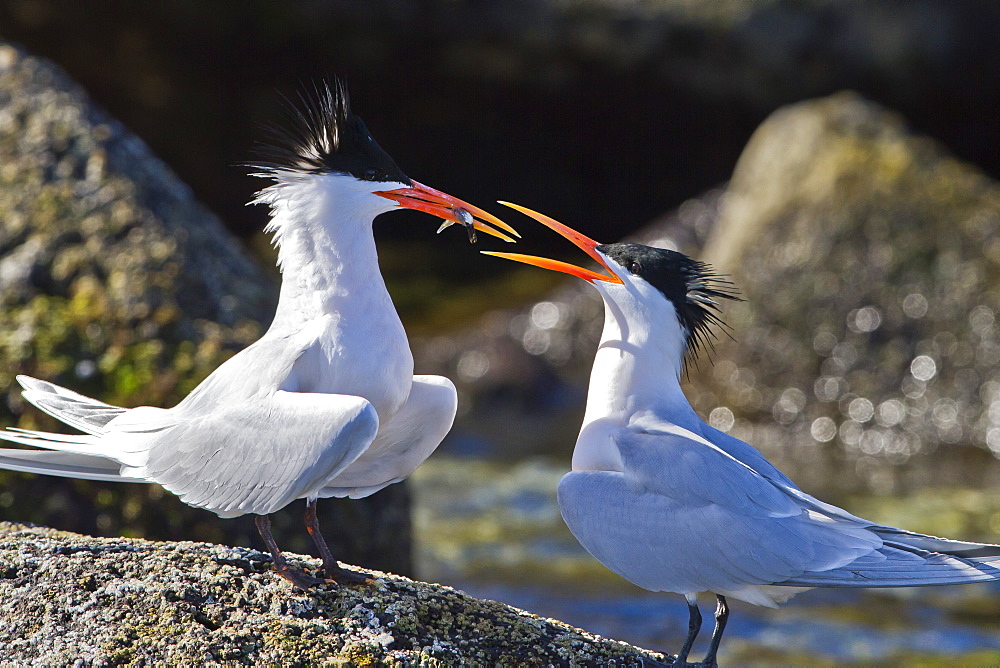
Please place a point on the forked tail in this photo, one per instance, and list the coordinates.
(68, 455)
(83, 413)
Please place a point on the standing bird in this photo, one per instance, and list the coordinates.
(671, 504)
(325, 403)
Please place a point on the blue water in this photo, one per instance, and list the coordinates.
(494, 531)
(802, 626)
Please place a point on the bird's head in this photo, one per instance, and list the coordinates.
(324, 140)
(649, 287)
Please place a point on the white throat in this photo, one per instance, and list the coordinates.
(636, 370)
(333, 298)
(322, 225)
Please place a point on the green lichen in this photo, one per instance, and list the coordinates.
(125, 601)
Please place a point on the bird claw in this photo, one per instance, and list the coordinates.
(341, 576)
(300, 578)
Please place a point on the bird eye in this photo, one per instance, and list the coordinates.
(371, 175)
(634, 267)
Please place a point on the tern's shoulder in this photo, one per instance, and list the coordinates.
(265, 366)
(673, 461)
(747, 454)
(742, 452)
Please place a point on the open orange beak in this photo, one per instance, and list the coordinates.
(581, 241)
(453, 210)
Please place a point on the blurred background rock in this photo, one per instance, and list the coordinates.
(861, 229)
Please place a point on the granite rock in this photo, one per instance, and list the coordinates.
(67, 599)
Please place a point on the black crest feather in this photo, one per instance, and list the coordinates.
(322, 135)
(691, 286)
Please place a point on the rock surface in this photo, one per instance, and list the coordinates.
(67, 598)
(117, 283)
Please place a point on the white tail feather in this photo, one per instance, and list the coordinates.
(64, 464)
(83, 413)
(81, 444)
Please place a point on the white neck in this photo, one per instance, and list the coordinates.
(636, 370)
(333, 298)
(322, 225)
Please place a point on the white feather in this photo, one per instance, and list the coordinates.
(293, 415)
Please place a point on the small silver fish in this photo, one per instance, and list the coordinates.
(466, 219)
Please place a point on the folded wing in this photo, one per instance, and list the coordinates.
(257, 456)
(252, 454)
(403, 442)
(686, 516)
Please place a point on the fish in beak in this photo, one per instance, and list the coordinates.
(451, 209)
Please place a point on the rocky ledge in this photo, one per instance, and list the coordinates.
(69, 599)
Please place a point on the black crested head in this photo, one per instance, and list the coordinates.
(691, 286)
(324, 136)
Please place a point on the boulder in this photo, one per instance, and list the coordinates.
(67, 599)
(869, 259)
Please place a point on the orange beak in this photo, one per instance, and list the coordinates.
(453, 210)
(581, 241)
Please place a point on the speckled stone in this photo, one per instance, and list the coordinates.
(869, 259)
(67, 598)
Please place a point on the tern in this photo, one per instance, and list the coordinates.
(325, 404)
(671, 504)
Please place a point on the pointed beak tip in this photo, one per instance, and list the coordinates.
(581, 241)
(451, 209)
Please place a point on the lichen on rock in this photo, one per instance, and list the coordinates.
(66, 598)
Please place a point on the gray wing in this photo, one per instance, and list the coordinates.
(909, 559)
(404, 441)
(747, 454)
(685, 516)
(257, 455)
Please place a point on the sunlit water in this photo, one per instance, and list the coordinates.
(494, 530)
